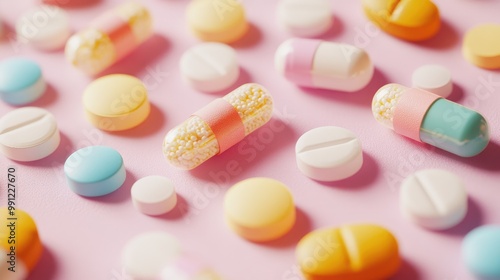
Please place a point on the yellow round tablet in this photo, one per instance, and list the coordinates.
(116, 102)
(20, 237)
(217, 20)
(481, 46)
(259, 209)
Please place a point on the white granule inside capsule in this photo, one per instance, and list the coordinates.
(384, 103)
(193, 142)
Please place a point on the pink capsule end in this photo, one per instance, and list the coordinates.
(119, 32)
(299, 61)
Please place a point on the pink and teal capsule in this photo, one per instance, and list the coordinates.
(426, 117)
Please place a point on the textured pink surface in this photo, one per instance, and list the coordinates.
(83, 237)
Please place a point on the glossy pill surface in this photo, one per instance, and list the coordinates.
(218, 126)
(350, 252)
(154, 195)
(433, 78)
(434, 199)
(259, 209)
(28, 134)
(95, 171)
(21, 81)
(412, 20)
(322, 64)
(426, 117)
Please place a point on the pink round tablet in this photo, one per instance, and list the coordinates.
(154, 195)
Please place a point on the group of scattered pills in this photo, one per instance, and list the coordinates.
(434, 199)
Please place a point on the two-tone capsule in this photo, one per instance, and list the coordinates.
(218, 126)
(426, 117)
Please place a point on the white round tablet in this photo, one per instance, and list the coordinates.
(329, 153)
(305, 18)
(145, 256)
(28, 134)
(45, 27)
(434, 78)
(210, 67)
(154, 195)
(434, 199)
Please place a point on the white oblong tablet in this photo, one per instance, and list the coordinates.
(434, 199)
(210, 67)
(45, 27)
(154, 195)
(305, 18)
(329, 153)
(434, 78)
(146, 255)
(28, 134)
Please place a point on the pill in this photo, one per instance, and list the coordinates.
(329, 153)
(218, 126)
(259, 209)
(428, 118)
(412, 20)
(434, 78)
(45, 27)
(185, 267)
(433, 198)
(18, 225)
(154, 195)
(146, 255)
(28, 134)
(116, 102)
(109, 38)
(94, 171)
(349, 252)
(210, 66)
(21, 81)
(481, 251)
(321, 64)
(305, 18)
(217, 21)
(481, 46)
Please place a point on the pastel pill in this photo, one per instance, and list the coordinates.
(259, 209)
(481, 46)
(481, 251)
(188, 268)
(329, 153)
(146, 255)
(433, 78)
(426, 117)
(109, 38)
(350, 252)
(154, 195)
(217, 21)
(45, 27)
(218, 126)
(95, 171)
(210, 66)
(412, 20)
(21, 81)
(116, 102)
(305, 18)
(322, 64)
(19, 226)
(434, 199)
(28, 134)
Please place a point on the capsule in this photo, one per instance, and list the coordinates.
(109, 38)
(218, 126)
(327, 65)
(426, 117)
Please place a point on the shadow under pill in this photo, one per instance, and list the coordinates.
(72, 4)
(473, 218)
(457, 94)
(335, 30)
(121, 195)
(180, 210)
(251, 38)
(152, 124)
(407, 271)
(46, 267)
(446, 38)
(50, 96)
(486, 160)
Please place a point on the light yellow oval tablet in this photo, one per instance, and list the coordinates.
(481, 46)
(116, 102)
(259, 209)
(217, 20)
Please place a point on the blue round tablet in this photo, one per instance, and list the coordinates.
(21, 81)
(95, 171)
(481, 251)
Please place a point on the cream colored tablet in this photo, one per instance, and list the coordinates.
(434, 78)
(154, 195)
(305, 18)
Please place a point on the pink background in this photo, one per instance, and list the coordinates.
(83, 237)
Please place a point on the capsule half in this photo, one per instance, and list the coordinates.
(426, 117)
